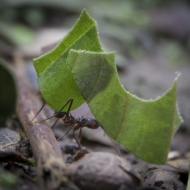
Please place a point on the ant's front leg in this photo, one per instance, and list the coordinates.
(38, 111)
(80, 147)
(80, 135)
(75, 128)
(64, 115)
(70, 102)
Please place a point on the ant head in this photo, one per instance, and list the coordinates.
(60, 114)
(90, 123)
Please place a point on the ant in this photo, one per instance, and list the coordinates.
(74, 124)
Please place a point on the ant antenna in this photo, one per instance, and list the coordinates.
(38, 111)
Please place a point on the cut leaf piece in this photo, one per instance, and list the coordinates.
(143, 127)
(8, 92)
(55, 80)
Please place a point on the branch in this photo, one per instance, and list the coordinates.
(51, 167)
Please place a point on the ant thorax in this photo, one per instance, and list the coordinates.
(69, 120)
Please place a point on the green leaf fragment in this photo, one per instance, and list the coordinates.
(143, 127)
(55, 80)
(78, 68)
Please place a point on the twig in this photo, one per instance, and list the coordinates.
(51, 167)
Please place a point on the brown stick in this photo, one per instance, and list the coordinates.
(51, 168)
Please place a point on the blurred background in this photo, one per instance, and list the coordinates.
(151, 39)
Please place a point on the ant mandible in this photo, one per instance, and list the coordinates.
(75, 124)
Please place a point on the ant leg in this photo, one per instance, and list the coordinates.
(67, 113)
(80, 147)
(80, 135)
(46, 119)
(71, 101)
(38, 111)
(66, 132)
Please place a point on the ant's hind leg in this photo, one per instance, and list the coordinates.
(80, 147)
(66, 132)
(80, 135)
(38, 111)
(46, 119)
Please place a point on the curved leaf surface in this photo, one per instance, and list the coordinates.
(55, 80)
(78, 68)
(144, 127)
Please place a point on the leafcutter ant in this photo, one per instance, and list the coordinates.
(75, 123)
